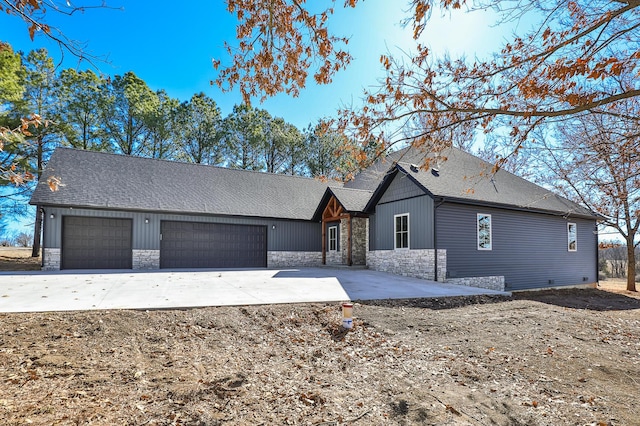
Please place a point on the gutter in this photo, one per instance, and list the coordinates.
(520, 209)
(44, 236)
(597, 258)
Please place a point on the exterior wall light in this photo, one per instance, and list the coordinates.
(52, 216)
(146, 220)
(273, 227)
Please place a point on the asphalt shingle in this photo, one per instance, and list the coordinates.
(353, 200)
(101, 180)
(460, 176)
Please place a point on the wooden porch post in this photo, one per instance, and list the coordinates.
(324, 242)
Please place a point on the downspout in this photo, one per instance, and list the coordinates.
(44, 236)
(435, 238)
(597, 258)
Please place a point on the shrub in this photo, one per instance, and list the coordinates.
(7, 242)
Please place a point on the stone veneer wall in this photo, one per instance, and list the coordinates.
(344, 241)
(490, 283)
(359, 240)
(145, 259)
(51, 259)
(150, 259)
(280, 259)
(334, 257)
(418, 263)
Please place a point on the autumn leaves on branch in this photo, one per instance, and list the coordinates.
(579, 57)
(279, 42)
(570, 62)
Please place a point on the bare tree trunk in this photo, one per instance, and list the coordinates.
(37, 228)
(631, 266)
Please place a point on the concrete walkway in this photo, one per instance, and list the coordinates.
(87, 290)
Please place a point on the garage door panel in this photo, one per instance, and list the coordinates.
(96, 243)
(212, 245)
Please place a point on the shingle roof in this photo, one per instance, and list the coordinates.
(353, 200)
(101, 180)
(466, 178)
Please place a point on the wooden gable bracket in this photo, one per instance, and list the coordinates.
(333, 211)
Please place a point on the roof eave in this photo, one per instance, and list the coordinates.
(167, 212)
(473, 202)
(317, 215)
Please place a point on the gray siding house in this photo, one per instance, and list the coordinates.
(452, 221)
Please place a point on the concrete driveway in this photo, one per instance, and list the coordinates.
(87, 290)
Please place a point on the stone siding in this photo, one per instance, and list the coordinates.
(334, 257)
(442, 264)
(282, 259)
(359, 243)
(490, 283)
(51, 259)
(409, 263)
(145, 259)
(359, 240)
(344, 241)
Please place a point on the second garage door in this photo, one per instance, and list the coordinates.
(212, 245)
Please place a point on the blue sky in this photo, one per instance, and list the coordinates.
(172, 47)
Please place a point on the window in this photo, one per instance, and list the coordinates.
(484, 231)
(572, 236)
(333, 238)
(401, 231)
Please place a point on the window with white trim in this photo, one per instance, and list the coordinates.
(401, 231)
(572, 237)
(333, 238)
(483, 222)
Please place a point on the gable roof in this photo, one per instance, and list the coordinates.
(352, 200)
(111, 181)
(462, 177)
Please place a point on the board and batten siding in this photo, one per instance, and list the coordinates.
(401, 188)
(402, 196)
(288, 235)
(529, 249)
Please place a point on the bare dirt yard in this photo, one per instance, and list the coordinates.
(562, 357)
(18, 259)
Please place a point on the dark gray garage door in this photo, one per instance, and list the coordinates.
(96, 243)
(212, 245)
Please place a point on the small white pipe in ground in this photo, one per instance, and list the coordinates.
(347, 315)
